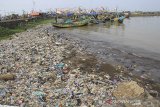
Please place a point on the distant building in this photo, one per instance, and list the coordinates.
(34, 14)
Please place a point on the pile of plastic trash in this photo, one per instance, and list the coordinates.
(33, 73)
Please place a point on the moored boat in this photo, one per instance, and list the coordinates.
(71, 24)
(119, 19)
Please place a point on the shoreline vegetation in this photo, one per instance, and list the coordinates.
(5, 33)
(141, 14)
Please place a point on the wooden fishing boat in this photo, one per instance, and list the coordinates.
(73, 24)
(119, 19)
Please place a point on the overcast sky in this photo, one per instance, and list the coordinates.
(44, 5)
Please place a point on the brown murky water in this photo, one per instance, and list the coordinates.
(140, 35)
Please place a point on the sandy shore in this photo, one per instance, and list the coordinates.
(43, 67)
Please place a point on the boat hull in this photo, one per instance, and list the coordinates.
(120, 19)
(68, 25)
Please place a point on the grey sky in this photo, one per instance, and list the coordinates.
(44, 5)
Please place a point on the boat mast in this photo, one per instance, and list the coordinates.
(34, 3)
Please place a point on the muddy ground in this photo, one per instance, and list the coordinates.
(142, 69)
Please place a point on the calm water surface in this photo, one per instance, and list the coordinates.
(139, 34)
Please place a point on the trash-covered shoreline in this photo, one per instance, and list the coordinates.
(39, 68)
